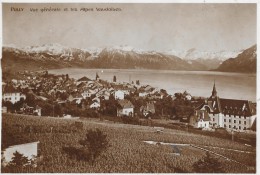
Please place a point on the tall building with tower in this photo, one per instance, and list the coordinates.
(231, 114)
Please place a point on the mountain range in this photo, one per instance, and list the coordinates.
(244, 62)
(53, 56)
(211, 60)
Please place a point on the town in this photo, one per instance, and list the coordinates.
(44, 94)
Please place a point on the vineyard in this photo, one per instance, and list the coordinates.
(127, 152)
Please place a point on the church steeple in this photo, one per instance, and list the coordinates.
(214, 91)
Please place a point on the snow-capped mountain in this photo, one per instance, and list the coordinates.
(119, 57)
(55, 52)
(124, 57)
(193, 54)
(52, 49)
(128, 57)
(211, 60)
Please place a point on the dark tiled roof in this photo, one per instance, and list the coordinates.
(10, 89)
(82, 84)
(214, 104)
(125, 104)
(237, 107)
(229, 106)
(84, 79)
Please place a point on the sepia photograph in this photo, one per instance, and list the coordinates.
(129, 88)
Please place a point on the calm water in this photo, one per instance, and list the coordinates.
(198, 83)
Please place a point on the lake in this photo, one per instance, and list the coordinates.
(197, 83)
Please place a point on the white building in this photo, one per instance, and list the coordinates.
(29, 150)
(87, 93)
(13, 97)
(126, 108)
(143, 94)
(119, 95)
(95, 105)
(229, 113)
(200, 119)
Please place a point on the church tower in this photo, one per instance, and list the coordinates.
(214, 91)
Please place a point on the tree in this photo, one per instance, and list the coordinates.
(9, 105)
(47, 109)
(19, 160)
(95, 142)
(114, 78)
(208, 164)
(97, 76)
(18, 104)
(30, 99)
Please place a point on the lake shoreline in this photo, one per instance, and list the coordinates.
(198, 83)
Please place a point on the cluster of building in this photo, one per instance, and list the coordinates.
(61, 89)
(214, 112)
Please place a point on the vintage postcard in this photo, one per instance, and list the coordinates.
(129, 87)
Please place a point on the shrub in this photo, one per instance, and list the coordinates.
(207, 165)
(93, 145)
(95, 142)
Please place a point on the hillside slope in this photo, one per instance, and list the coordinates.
(244, 62)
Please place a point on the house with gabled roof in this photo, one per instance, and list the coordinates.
(13, 96)
(125, 108)
(95, 105)
(84, 79)
(119, 95)
(201, 119)
(149, 108)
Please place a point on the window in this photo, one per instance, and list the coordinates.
(239, 122)
(235, 121)
(239, 127)
(244, 128)
(229, 120)
(225, 125)
(213, 119)
(245, 122)
(229, 126)
(224, 120)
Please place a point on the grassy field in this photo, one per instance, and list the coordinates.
(127, 152)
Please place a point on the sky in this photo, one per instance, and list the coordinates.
(159, 27)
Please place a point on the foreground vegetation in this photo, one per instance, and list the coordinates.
(127, 153)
